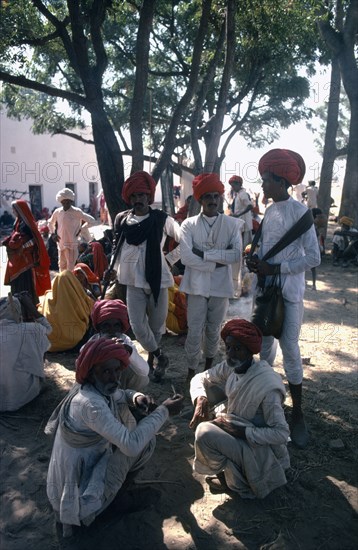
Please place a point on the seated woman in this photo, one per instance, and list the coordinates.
(95, 257)
(23, 333)
(67, 308)
(88, 280)
(110, 320)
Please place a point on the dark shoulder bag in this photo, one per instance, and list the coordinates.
(269, 309)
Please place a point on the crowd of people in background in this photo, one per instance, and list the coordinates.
(149, 272)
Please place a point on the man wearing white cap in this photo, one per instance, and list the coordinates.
(65, 225)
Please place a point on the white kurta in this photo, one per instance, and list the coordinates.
(256, 466)
(221, 243)
(297, 257)
(21, 361)
(69, 224)
(240, 203)
(131, 260)
(83, 480)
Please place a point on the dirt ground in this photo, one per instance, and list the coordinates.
(317, 509)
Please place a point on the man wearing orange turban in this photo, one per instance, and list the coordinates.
(210, 243)
(140, 234)
(245, 448)
(110, 320)
(97, 439)
(279, 169)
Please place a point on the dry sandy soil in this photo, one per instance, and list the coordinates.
(317, 509)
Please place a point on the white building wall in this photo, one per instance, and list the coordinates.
(50, 162)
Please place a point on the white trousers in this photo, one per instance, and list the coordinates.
(292, 362)
(147, 319)
(205, 316)
(67, 258)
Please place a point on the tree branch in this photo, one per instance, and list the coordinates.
(49, 90)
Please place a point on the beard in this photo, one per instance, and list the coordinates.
(105, 389)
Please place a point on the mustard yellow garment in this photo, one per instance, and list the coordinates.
(67, 308)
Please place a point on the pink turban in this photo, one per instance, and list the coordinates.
(139, 182)
(247, 333)
(98, 351)
(234, 179)
(110, 309)
(207, 183)
(284, 164)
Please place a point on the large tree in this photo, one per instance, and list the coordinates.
(172, 74)
(342, 41)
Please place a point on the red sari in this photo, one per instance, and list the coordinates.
(26, 251)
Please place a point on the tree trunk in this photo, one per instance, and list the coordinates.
(110, 161)
(349, 202)
(330, 149)
(140, 85)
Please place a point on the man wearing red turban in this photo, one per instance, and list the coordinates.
(210, 243)
(110, 320)
(243, 449)
(279, 169)
(97, 439)
(140, 234)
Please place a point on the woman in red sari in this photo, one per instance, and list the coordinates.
(28, 262)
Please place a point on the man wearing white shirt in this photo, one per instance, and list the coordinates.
(210, 243)
(140, 234)
(65, 225)
(279, 169)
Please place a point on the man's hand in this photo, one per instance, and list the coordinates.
(145, 403)
(197, 252)
(261, 268)
(109, 275)
(201, 412)
(238, 432)
(174, 404)
(55, 237)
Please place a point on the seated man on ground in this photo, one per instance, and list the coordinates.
(67, 308)
(345, 243)
(23, 334)
(98, 441)
(110, 320)
(245, 447)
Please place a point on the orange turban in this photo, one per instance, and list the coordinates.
(98, 351)
(284, 164)
(87, 271)
(207, 183)
(247, 333)
(234, 179)
(139, 182)
(110, 309)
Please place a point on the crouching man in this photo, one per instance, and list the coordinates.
(98, 441)
(244, 448)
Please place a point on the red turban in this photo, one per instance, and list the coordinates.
(139, 182)
(234, 179)
(110, 309)
(98, 351)
(247, 333)
(207, 183)
(284, 164)
(90, 276)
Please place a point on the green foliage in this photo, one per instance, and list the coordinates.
(273, 40)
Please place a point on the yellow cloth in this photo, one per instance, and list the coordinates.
(67, 308)
(176, 319)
